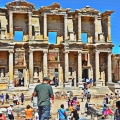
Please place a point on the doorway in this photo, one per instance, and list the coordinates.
(52, 37)
(85, 74)
(18, 36)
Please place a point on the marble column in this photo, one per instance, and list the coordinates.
(79, 67)
(109, 30)
(88, 64)
(97, 73)
(65, 27)
(45, 64)
(11, 24)
(30, 26)
(66, 66)
(79, 27)
(11, 66)
(45, 26)
(31, 66)
(96, 29)
(109, 67)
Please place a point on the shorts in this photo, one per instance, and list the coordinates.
(11, 117)
(44, 112)
(2, 100)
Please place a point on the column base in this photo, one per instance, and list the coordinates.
(79, 40)
(80, 85)
(31, 87)
(11, 87)
(67, 84)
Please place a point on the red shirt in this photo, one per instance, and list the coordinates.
(2, 117)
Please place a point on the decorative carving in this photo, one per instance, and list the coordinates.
(101, 37)
(88, 10)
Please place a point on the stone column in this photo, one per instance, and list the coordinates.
(109, 67)
(45, 64)
(66, 67)
(109, 30)
(97, 73)
(65, 27)
(11, 66)
(30, 26)
(88, 64)
(31, 66)
(45, 26)
(96, 29)
(79, 67)
(79, 27)
(11, 24)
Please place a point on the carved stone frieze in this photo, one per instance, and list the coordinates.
(89, 10)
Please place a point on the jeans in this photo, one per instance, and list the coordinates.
(44, 112)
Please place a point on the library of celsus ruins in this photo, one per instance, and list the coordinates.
(27, 52)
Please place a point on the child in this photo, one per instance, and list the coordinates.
(36, 115)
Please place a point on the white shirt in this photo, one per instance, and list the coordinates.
(87, 80)
(36, 116)
(9, 109)
(68, 94)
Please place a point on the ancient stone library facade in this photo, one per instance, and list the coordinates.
(26, 50)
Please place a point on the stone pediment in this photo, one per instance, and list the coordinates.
(88, 10)
(54, 7)
(20, 4)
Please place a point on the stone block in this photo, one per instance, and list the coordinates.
(11, 87)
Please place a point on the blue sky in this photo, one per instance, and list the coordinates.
(101, 5)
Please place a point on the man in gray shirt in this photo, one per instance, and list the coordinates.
(44, 92)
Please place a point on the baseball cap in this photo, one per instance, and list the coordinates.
(46, 78)
(11, 104)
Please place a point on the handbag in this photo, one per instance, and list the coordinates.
(63, 114)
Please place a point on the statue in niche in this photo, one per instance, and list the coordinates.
(36, 72)
(101, 37)
(2, 73)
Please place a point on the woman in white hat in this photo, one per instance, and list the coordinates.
(2, 116)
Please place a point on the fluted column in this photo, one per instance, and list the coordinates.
(109, 30)
(79, 27)
(30, 26)
(79, 66)
(65, 27)
(45, 26)
(66, 66)
(109, 67)
(97, 65)
(45, 64)
(31, 66)
(96, 29)
(11, 66)
(11, 24)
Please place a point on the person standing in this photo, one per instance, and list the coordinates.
(88, 96)
(61, 113)
(82, 97)
(44, 92)
(10, 112)
(2, 98)
(106, 98)
(2, 116)
(7, 98)
(22, 98)
(73, 82)
(28, 112)
(36, 115)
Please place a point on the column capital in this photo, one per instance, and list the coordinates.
(11, 51)
(45, 51)
(66, 52)
(96, 51)
(109, 53)
(45, 14)
(79, 52)
(31, 51)
(65, 16)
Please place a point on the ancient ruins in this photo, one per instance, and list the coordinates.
(69, 57)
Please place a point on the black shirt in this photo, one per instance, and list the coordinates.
(75, 115)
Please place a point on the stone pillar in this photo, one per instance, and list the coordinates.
(96, 29)
(11, 24)
(65, 27)
(31, 66)
(88, 64)
(109, 30)
(79, 67)
(97, 73)
(30, 26)
(66, 67)
(45, 64)
(11, 66)
(109, 67)
(79, 27)
(45, 26)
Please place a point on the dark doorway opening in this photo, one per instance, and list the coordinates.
(85, 74)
